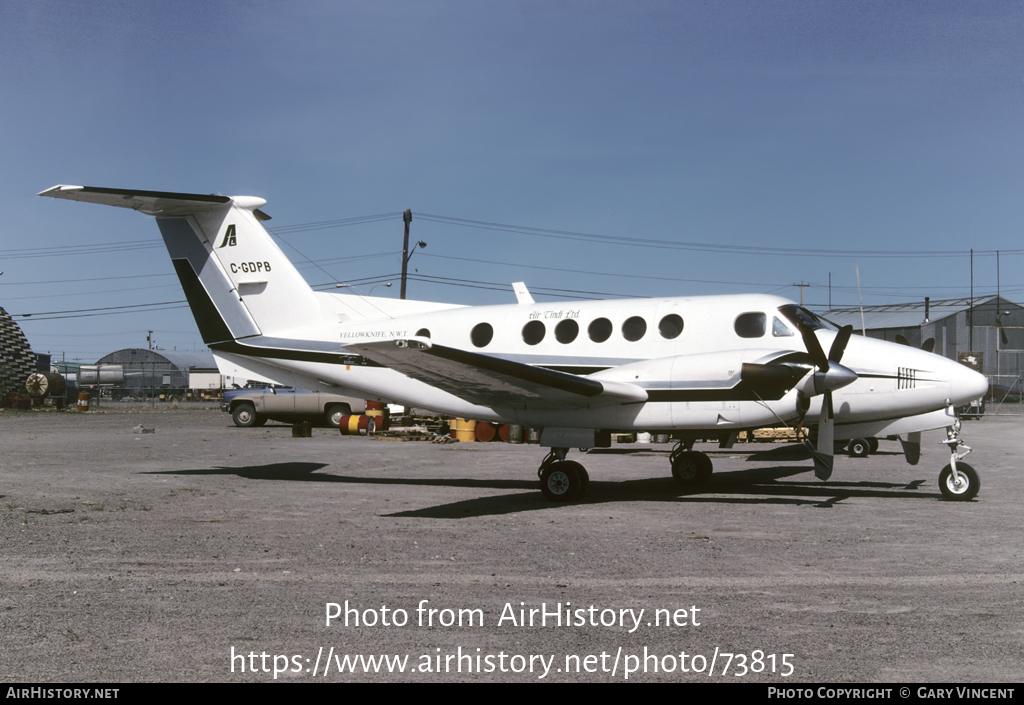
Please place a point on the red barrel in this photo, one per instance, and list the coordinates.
(380, 413)
(485, 432)
(357, 425)
(83, 401)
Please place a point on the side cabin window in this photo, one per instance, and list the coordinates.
(533, 332)
(481, 334)
(750, 325)
(566, 331)
(671, 326)
(779, 329)
(634, 329)
(599, 330)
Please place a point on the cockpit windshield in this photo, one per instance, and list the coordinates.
(799, 315)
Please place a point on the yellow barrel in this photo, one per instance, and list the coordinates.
(357, 425)
(465, 430)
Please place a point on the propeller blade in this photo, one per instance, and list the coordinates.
(814, 347)
(835, 353)
(823, 455)
(929, 345)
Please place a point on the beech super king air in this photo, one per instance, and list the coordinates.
(692, 366)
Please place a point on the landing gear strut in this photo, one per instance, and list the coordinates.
(958, 481)
(562, 480)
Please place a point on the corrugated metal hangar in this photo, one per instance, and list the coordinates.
(990, 328)
(155, 369)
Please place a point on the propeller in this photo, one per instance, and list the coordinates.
(828, 376)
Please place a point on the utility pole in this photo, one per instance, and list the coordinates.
(802, 285)
(970, 312)
(407, 217)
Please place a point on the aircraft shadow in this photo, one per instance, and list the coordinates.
(794, 452)
(303, 472)
(752, 486)
(760, 487)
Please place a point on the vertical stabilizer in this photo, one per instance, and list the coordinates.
(237, 281)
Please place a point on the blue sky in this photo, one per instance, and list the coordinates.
(877, 134)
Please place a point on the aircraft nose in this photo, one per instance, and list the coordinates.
(966, 385)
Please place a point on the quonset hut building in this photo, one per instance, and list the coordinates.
(157, 371)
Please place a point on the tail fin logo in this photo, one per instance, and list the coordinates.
(229, 237)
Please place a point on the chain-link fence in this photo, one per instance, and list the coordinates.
(1005, 396)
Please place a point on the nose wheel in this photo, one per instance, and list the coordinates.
(961, 487)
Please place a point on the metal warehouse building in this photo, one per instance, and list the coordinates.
(989, 328)
(158, 369)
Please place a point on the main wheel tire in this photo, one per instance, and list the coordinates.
(692, 468)
(334, 414)
(873, 443)
(859, 448)
(562, 481)
(584, 480)
(244, 415)
(966, 489)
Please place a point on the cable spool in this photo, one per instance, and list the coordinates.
(357, 425)
(43, 384)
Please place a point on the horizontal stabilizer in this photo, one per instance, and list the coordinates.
(492, 381)
(149, 202)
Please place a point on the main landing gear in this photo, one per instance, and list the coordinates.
(862, 447)
(958, 481)
(690, 468)
(562, 480)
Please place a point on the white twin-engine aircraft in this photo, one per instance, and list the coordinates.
(693, 366)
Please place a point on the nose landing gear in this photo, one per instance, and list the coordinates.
(958, 481)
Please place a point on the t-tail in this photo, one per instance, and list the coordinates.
(237, 281)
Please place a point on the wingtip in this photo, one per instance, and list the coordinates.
(59, 188)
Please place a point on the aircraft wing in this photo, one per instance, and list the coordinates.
(494, 382)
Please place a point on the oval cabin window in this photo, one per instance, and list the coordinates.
(671, 326)
(481, 334)
(533, 332)
(566, 331)
(634, 329)
(600, 330)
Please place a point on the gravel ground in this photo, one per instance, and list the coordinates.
(205, 552)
